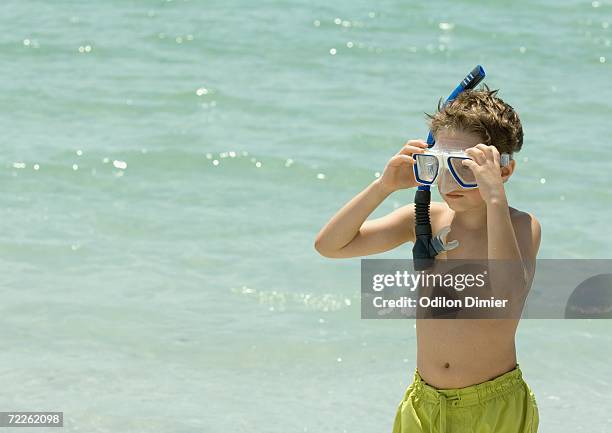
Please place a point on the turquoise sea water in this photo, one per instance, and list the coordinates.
(165, 167)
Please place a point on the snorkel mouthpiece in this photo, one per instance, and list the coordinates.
(426, 247)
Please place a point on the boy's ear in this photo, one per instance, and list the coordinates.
(507, 171)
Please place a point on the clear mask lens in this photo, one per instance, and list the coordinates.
(426, 168)
(463, 175)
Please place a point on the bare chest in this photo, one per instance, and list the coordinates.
(473, 244)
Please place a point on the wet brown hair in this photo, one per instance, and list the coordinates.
(482, 112)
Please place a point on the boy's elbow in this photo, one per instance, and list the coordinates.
(320, 247)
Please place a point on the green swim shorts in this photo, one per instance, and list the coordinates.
(501, 405)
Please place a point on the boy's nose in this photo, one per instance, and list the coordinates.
(447, 183)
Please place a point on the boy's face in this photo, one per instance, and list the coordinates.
(457, 198)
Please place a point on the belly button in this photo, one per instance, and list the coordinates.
(446, 365)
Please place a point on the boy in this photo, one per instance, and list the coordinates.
(467, 377)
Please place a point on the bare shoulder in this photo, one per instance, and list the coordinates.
(441, 215)
(435, 209)
(440, 209)
(527, 229)
(523, 220)
(405, 213)
(403, 220)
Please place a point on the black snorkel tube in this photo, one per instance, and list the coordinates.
(426, 247)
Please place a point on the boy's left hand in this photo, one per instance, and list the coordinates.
(485, 164)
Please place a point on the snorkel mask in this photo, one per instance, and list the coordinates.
(427, 247)
(446, 167)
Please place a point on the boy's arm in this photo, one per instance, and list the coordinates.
(515, 243)
(348, 234)
(512, 237)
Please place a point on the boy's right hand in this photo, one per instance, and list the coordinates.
(399, 173)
